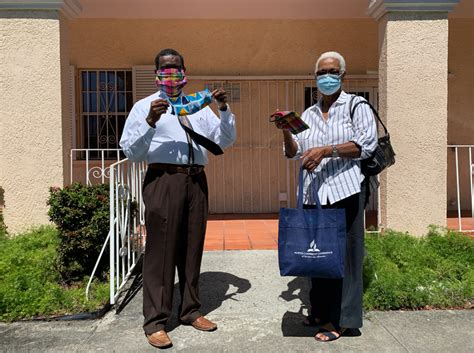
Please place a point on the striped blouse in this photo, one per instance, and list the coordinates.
(336, 178)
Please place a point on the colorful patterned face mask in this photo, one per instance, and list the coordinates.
(187, 105)
(171, 81)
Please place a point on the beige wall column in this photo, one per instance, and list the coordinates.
(413, 74)
(34, 110)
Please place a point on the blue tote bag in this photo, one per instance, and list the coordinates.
(311, 242)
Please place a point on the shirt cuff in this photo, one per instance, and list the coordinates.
(226, 114)
(146, 130)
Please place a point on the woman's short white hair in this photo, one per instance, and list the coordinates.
(332, 55)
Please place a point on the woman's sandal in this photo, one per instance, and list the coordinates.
(329, 334)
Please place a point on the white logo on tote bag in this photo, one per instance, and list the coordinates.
(313, 247)
(313, 252)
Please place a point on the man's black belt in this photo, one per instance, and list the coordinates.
(174, 168)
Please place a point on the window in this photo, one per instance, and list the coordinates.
(310, 97)
(105, 101)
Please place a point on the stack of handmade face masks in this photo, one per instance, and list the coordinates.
(289, 121)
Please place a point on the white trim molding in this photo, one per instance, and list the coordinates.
(70, 8)
(378, 8)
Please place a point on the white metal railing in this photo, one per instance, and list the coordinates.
(127, 222)
(464, 171)
(97, 163)
(126, 238)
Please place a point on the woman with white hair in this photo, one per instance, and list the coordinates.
(331, 151)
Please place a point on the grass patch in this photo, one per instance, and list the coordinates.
(30, 284)
(404, 272)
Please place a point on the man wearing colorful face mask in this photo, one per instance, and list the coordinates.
(331, 151)
(175, 189)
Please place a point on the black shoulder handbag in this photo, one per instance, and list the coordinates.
(383, 156)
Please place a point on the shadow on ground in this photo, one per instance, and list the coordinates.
(136, 284)
(215, 288)
(291, 322)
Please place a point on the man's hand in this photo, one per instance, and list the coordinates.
(221, 98)
(157, 108)
(313, 157)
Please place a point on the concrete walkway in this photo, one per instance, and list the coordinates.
(256, 310)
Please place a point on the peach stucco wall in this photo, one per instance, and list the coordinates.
(218, 47)
(413, 99)
(460, 107)
(461, 81)
(32, 113)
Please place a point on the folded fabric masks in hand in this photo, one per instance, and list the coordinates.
(190, 104)
(289, 120)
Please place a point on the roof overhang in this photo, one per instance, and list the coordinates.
(378, 8)
(239, 9)
(70, 8)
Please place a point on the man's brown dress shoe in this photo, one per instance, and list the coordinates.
(159, 339)
(203, 324)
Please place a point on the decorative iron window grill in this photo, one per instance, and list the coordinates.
(106, 99)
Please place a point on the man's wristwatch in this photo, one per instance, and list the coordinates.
(335, 152)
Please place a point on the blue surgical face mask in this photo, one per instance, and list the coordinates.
(328, 84)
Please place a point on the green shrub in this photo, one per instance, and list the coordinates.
(81, 214)
(404, 272)
(3, 227)
(29, 283)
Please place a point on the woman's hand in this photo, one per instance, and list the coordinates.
(280, 123)
(313, 157)
(291, 148)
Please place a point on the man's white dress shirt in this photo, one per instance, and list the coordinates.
(167, 142)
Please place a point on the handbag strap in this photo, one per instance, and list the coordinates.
(300, 191)
(352, 110)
